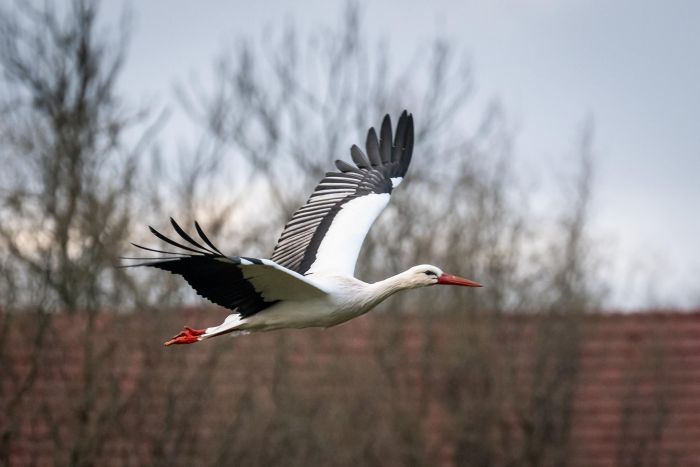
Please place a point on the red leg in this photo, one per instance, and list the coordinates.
(188, 336)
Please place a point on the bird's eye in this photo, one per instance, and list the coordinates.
(430, 273)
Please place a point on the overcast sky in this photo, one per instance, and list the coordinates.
(631, 66)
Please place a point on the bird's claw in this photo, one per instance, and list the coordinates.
(188, 336)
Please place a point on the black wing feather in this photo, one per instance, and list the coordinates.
(220, 282)
(203, 236)
(186, 236)
(347, 168)
(172, 242)
(399, 138)
(372, 145)
(359, 158)
(158, 251)
(385, 140)
(214, 276)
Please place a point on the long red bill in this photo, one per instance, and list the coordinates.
(449, 279)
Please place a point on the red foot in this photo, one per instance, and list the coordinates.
(188, 336)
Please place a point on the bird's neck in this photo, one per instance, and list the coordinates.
(384, 289)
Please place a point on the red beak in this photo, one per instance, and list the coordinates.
(449, 279)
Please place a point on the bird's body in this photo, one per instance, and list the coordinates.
(346, 298)
(309, 279)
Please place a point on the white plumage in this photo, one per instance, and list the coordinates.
(340, 247)
(309, 279)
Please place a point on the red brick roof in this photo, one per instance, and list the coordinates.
(386, 389)
(639, 389)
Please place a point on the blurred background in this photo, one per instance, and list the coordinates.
(556, 161)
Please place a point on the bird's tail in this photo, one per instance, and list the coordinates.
(190, 335)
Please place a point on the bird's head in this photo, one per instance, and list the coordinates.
(426, 274)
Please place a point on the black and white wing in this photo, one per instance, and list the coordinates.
(326, 234)
(245, 285)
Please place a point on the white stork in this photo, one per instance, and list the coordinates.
(309, 280)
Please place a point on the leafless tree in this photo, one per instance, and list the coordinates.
(66, 204)
(280, 110)
(303, 95)
(68, 177)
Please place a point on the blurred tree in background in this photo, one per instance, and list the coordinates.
(68, 181)
(82, 172)
(282, 110)
(79, 172)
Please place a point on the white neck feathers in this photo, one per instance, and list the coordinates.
(381, 290)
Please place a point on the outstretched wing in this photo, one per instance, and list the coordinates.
(245, 285)
(326, 234)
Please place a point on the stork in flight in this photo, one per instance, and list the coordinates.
(309, 280)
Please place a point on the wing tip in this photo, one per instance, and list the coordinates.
(403, 143)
